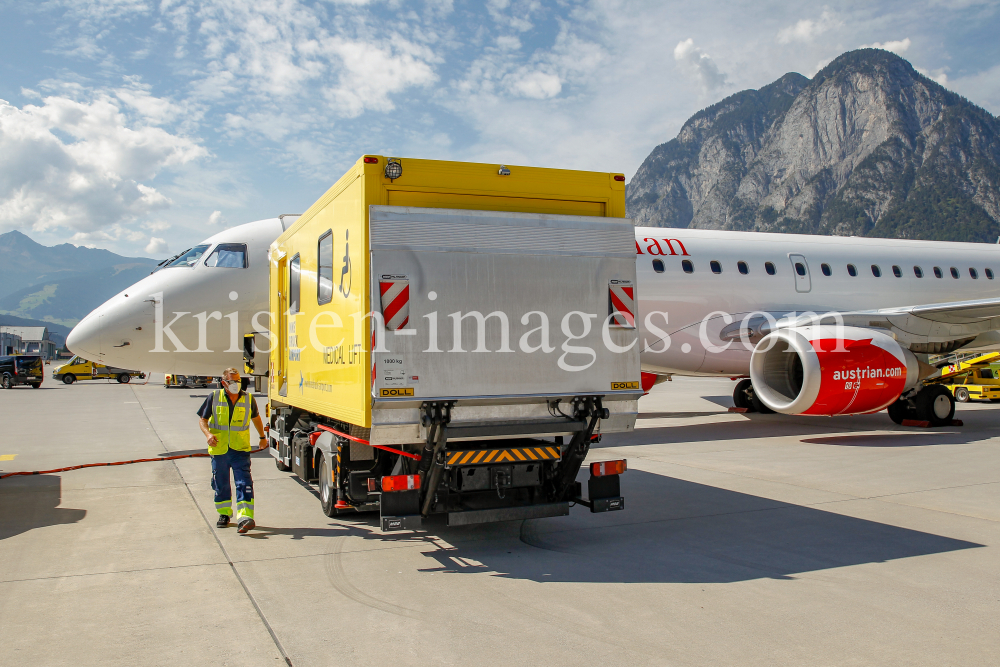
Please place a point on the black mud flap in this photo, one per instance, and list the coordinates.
(400, 510)
(508, 514)
(605, 493)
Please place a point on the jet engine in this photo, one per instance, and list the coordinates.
(831, 370)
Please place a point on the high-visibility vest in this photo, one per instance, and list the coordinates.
(232, 431)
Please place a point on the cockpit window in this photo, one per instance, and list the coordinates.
(189, 257)
(228, 256)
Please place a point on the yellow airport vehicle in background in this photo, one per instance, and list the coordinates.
(174, 380)
(79, 368)
(975, 379)
(449, 339)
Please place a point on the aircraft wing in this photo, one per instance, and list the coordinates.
(932, 328)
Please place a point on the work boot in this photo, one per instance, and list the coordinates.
(223, 521)
(245, 525)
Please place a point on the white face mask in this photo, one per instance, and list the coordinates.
(233, 387)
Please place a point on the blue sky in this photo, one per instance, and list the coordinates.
(143, 127)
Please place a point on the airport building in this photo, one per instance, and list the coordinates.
(30, 340)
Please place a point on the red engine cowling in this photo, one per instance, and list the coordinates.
(829, 370)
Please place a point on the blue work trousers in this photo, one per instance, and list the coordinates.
(239, 463)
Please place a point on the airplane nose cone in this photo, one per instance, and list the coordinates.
(85, 338)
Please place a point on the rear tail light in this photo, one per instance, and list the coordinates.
(400, 483)
(620, 178)
(371, 160)
(605, 468)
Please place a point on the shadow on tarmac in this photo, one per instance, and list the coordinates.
(673, 531)
(33, 502)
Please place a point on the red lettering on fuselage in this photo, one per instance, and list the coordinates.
(654, 248)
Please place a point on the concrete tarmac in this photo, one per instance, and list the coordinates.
(746, 540)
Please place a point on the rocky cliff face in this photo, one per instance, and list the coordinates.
(869, 147)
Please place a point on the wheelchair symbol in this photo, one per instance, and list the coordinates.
(346, 270)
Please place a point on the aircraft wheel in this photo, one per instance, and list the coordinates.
(899, 411)
(936, 405)
(69, 378)
(741, 395)
(758, 405)
(327, 492)
(123, 378)
(962, 395)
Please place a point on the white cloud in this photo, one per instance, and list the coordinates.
(78, 161)
(215, 218)
(807, 30)
(156, 225)
(157, 246)
(537, 85)
(899, 47)
(939, 75)
(698, 65)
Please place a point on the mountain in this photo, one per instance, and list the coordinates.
(61, 283)
(868, 147)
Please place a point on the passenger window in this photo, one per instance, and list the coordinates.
(800, 268)
(989, 273)
(687, 266)
(658, 265)
(769, 267)
(324, 276)
(973, 273)
(918, 272)
(190, 257)
(877, 272)
(228, 256)
(745, 269)
(852, 270)
(827, 271)
(954, 273)
(896, 271)
(716, 267)
(294, 279)
(937, 272)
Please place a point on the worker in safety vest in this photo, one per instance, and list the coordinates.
(225, 420)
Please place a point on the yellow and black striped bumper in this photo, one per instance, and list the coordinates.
(482, 456)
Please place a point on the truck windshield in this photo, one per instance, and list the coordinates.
(190, 257)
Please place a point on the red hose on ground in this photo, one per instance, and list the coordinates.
(115, 463)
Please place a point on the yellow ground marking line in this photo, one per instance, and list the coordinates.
(7, 457)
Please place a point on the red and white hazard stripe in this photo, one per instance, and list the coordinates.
(395, 303)
(622, 303)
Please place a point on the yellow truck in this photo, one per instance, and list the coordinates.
(449, 339)
(975, 379)
(79, 368)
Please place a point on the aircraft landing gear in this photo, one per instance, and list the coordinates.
(745, 397)
(934, 404)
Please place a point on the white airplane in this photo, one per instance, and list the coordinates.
(858, 314)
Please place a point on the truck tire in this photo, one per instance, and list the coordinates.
(962, 395)
(327, 492)
(280, 465)
(6, 382)
(69, 378)
(36, 385)
(936, 405)
(123, 378)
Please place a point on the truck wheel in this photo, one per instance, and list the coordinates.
(6, 382)
(327, 492)
(280, 465)
(936, 405)
(69, 378)
(36, 385)
(962, 395)
(741, 398)
(123, 378)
